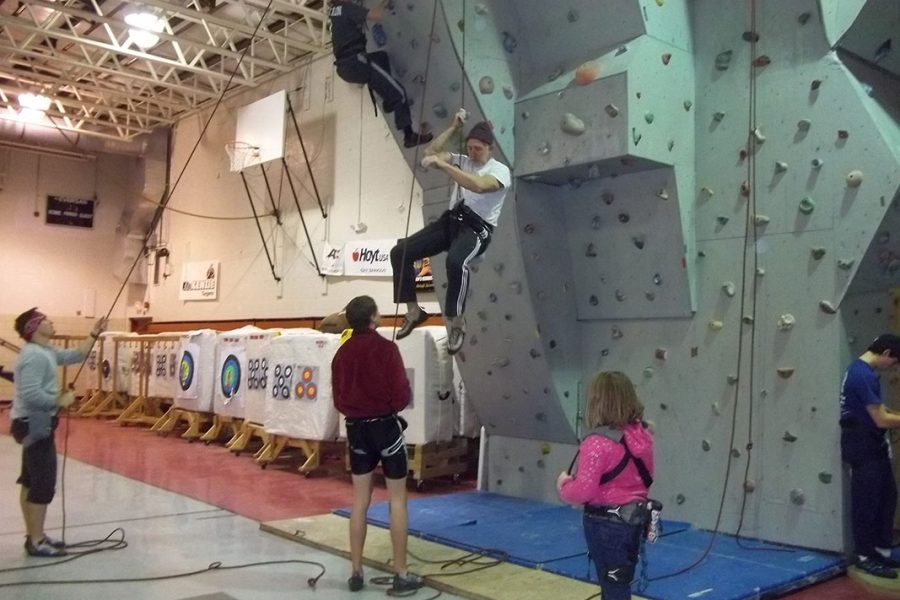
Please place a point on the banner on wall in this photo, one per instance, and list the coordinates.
(332, 260)
(424, 280)
(370, 258)
(199, 281)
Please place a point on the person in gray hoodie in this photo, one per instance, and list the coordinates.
(36, 400)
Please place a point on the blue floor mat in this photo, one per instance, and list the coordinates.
(549, 536)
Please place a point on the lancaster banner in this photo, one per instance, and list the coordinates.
(369, 258)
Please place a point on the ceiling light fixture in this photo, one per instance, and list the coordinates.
(33, 107)
(143, 29)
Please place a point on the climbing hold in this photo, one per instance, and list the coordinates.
(786, 322)
(707, 191)
(648, 117)
(660, 2)
(817, 252)
(789, 437)
(439, 110)
(661, 354)
(750, 36)
(572, 16)
(729, 289)
(742, 154)
(414, 44)
(663, 406)
(534, 353)
(572, 124)
(827, 307)
(611, 109)
(624, 218)
(621, 50)
(501, 362)
(749, 486)
(593, 300)
(715, 325)
(596, 223)
(607, 198)
(378, 35)
(854, 178)
(508, 92)
(804, 124)
(525, 115)
(824, 477)
(638, 241)
(616, 333)
(747, 319)
(545, 449)
(586, 73)
(591, 251)
(735, 453)
(480, 9)
(648, 372)
(845, 264)
(651, 296)
(529, 228)
(662, 194)
(486, 85)
(723, 60)
(498, 268)
(732, 379)
(884, 237)
(760, 271)
(679, 499)
(666, 57)
(670, 144)
(635, 136)
(515, 287)
(761, 220)
(816, 83)
(722, 219)
(745, 188)
(718, 116)
(492, 297)
(620, 296)
(843, 134)
(807, 205)
(762, 61)
(687, 104)
(803, 18)
(717, 410)
(780, 166)
(544, 149)
(705, 445)
(758, 135)
(785, 372)
(454, 87)
(509, 42)
(798, 497)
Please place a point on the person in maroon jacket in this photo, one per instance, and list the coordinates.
(369, 387)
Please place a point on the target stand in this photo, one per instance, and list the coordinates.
(219, 423)
(144, 409)
(196, 421)
(245, 435)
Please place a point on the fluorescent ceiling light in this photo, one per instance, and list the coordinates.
(143, 29)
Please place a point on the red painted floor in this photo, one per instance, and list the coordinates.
(214, 475)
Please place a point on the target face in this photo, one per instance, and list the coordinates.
(186, 371)
(105, 369)
(231, 376)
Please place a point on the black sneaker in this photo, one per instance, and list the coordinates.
(416, 139)
(410, 323)
(410, 583)
(356, 582)
(55, 543)
(888, 561)
(43, 549)
(875, 568)
(456, 339)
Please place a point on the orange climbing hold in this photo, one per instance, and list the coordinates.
(587, 73)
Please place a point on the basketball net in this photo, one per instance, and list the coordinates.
(241, 155)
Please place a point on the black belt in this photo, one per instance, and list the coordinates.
(633, 513)
(467, 216)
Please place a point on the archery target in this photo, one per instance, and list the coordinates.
(106, 369)
(186, 370)
(230, 378)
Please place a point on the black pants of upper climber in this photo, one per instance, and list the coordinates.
(873, 491)
(463, 242)
(374, 70)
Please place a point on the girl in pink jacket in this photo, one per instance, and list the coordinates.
(614, 471)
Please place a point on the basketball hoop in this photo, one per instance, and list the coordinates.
(241, 155)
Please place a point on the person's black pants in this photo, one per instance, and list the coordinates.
(462, 243)
(374, 70)
(873, 491)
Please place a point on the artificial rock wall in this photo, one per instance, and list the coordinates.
(706, 200)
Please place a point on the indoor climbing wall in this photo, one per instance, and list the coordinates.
(705, 204)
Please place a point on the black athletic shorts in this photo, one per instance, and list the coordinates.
(375, 440)
(38, 464)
